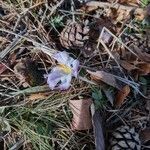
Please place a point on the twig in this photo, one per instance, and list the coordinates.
(12, 46)
(119, 40)
(35, 89)
(72, 9)
(55, 7)
(97, 4)
(40, 46)
(17, 145)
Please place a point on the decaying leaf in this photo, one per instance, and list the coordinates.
(124, 9)
(129, 2)
(98, 130)
(146, 20)
(145, 135)
(141, 55)
(4, 127)
(28, 73)
(141, 68)
(81, 114)
(2, 68)
(37, 96)
(126, 65)
(148, 105)
(121, 95)
(109, 94)
(105, 77)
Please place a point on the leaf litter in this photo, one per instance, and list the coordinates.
(111, 42)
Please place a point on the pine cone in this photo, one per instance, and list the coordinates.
(83, 36)
(74, 35)
(79, 36)
(125, 138)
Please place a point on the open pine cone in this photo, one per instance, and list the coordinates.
(125, 138)
(74, 35)
(83, 36)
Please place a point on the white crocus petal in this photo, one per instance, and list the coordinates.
(65, 82)
(60, 76)
(54, 77)
(70, 61)
(75, 66)
(61, 57)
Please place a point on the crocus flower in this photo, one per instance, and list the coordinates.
(60, 76)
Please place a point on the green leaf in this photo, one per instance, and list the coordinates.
(2, 109)
(57, 21)
(99, 98)
(145, 2)
(143, 80)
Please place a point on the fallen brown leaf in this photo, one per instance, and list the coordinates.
(148, 104)
(141, 68)
(144, 68)
(121, 95)
(37, 96)
(126, 65)
(81, 114)
(98, 129)
(147, 12)
(129, 2)
(93, 5)
(2, 68)
(109, 94)
(141, 55)
(105, 77)
(145, 135)
(27, 72)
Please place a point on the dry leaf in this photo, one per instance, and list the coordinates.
(147, 12)
(98, 130)
(124, 9)
(81, 114)
(37, 96)
(144, 68)
(109, 94)
(145, 135)
(129, 2)
(141, 68)
(121, 95)
(148, 105)
(105, 77)
(28, 73)
(142, 55)
(2, 68)
(126, 65)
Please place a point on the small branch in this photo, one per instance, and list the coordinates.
(39, 46)
(18, 145)
(36, 89)
(115, 5)
(12, 45)
(96, 4)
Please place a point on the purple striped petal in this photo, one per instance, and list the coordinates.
(58, 79)
(61, 57)
(53, 78)
(65, 83)
(75, 67)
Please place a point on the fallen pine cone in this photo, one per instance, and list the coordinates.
(74, 35)
(125, 137)
(83, 37)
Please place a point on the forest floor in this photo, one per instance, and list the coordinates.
(111, 42)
